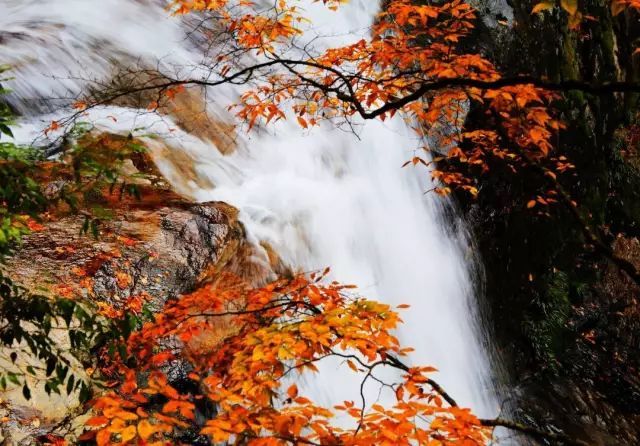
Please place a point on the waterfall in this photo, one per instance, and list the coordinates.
(324, 197)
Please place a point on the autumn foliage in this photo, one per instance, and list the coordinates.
(411, 65)
(239, 350)
(243, 348)
(414, 64)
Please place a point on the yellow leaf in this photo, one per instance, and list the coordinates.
(128, 434)
(574, 21)
(617, 7)
(145, 429)
(125, 415)
(543, 6)
(571, 6)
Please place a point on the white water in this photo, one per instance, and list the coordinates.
(320, 198)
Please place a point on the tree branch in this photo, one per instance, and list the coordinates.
(247, 73)
(568, 85)
(532, 431)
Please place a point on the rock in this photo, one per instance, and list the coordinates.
(150, 248)
(186, 106)
(161, 252)
(151, 254)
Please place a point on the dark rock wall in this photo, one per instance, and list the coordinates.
(567, 322)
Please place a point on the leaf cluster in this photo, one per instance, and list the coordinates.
(243, 348)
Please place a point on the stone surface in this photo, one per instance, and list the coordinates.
(155, 253)
(153, 248)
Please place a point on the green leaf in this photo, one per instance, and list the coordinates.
(61, 372)
(122, 350)
(85, 393)
(26, 392)
(67, 308)
(70, 385)
(6, 130)
(85, 226)
(51, 365)
(13, 378)
(94, 228)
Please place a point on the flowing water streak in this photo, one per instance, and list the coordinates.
(320, 198)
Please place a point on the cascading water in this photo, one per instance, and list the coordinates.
(319, 198)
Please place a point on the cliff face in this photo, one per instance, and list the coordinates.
(565, 319)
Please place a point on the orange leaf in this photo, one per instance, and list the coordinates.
(292, 392)
(161, 358)
(97, 422)
(34, 226)
(52, 127)
(302, 122)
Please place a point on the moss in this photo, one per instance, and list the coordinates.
(547, 333)
(608, 46)
(570, 67)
